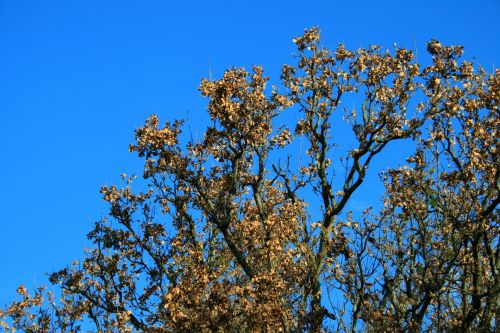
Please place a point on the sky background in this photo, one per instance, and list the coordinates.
(78, 77)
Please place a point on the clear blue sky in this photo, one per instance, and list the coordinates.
(77, 77)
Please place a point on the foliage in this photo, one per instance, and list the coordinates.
(239, 232)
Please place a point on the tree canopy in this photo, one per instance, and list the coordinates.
(248, 227)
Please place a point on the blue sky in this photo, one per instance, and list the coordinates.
(77, 77)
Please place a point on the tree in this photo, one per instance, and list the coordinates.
(239, 232)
